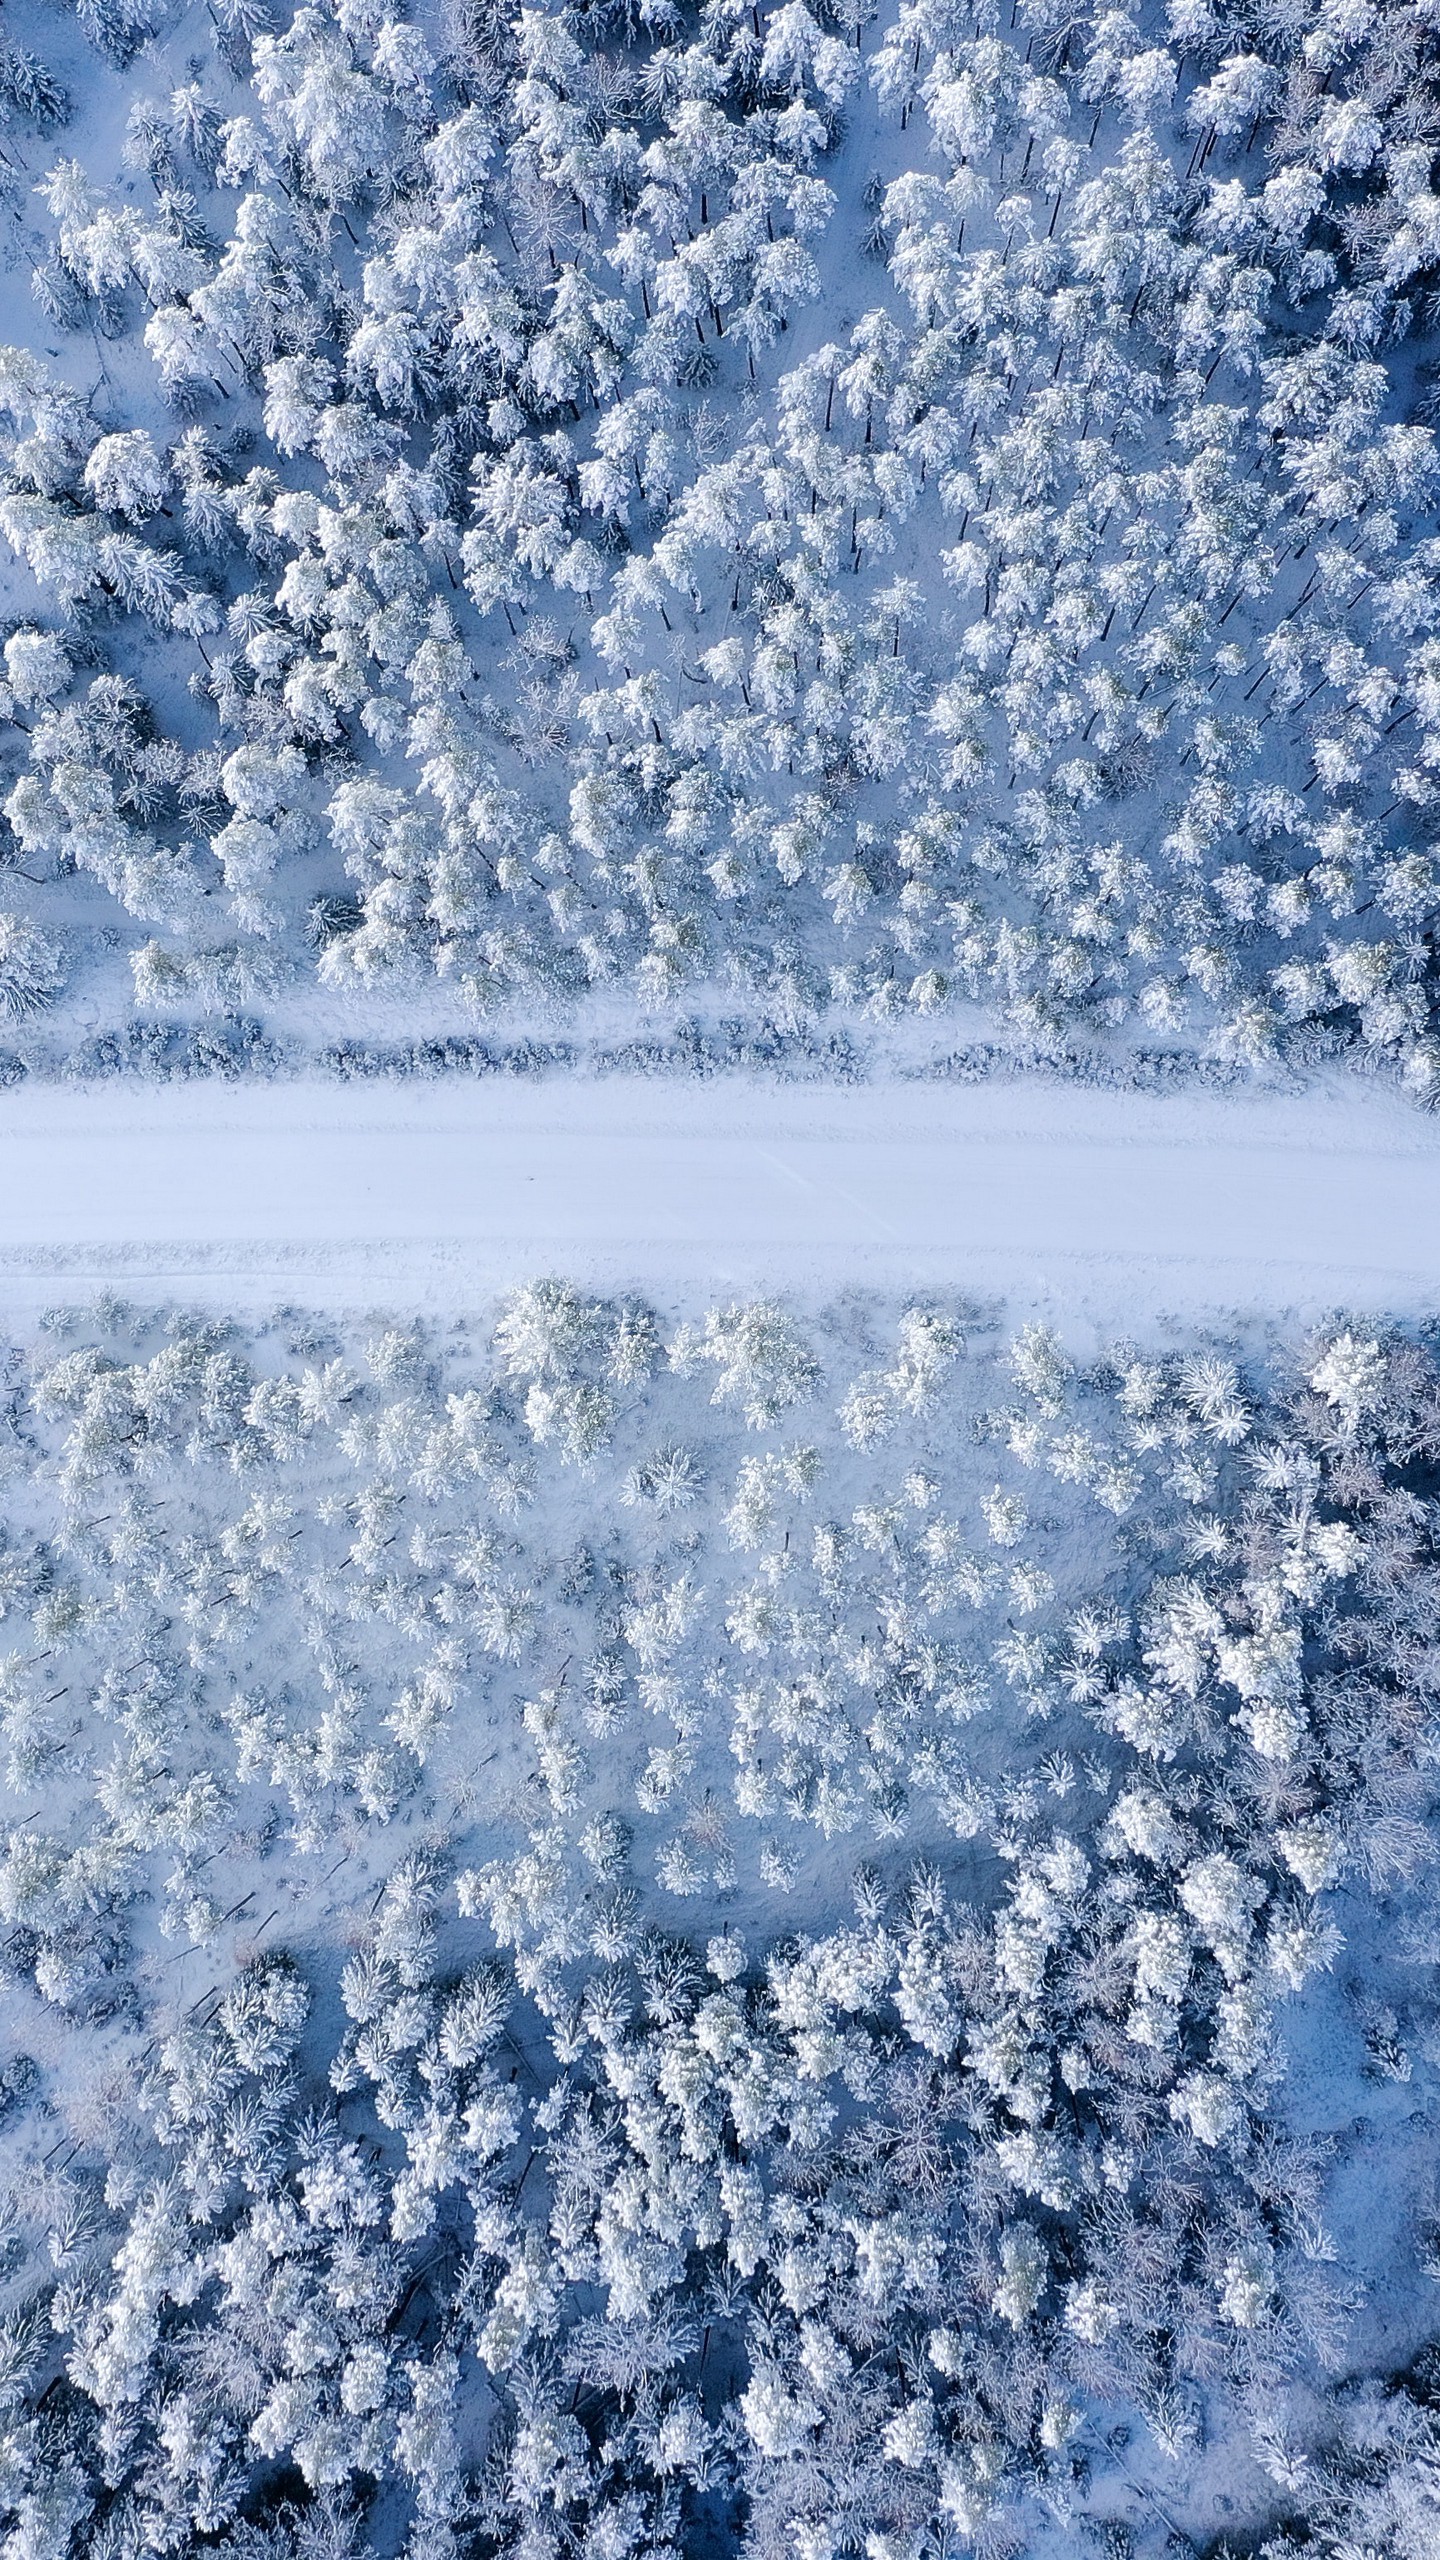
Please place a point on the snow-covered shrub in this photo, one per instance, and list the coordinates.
(31, 967)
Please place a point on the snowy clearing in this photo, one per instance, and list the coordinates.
(1110, 1204)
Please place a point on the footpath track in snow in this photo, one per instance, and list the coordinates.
(1115, 1206)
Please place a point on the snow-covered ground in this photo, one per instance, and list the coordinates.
(1082, 1204)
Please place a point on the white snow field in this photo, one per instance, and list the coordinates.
(1080, 1202)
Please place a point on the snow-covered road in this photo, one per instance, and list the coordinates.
(1111, 1205)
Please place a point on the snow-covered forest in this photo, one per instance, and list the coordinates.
(804, 1931)
(832, 518)
(738, 1905)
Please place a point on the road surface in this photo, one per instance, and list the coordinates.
(1111, 1204)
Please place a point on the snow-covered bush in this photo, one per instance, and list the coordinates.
(31, 968)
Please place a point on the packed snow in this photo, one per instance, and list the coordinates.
(1091, 1207)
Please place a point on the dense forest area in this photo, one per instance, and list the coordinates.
(802, 1932)
(850, 521)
